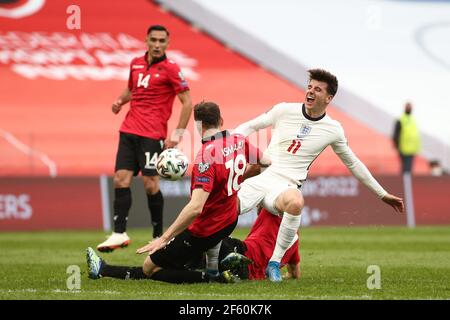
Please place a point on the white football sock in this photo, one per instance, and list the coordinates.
(212, 257)
(286, 235)
(293, 241)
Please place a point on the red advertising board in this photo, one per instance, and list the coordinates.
(432, 200)
(44, 204)
(75, 203)
(342, 200)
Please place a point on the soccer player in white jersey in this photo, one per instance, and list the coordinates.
(301, 131)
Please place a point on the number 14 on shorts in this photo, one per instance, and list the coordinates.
(150, 163)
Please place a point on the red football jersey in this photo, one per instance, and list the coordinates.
(219, 169)
(153, 89)
(261, 242)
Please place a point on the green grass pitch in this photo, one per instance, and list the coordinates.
(414, 264)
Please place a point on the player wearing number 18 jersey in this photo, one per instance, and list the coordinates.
(209, 217)
(212, 213)
(301, 131)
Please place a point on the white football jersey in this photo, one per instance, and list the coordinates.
(297, 140)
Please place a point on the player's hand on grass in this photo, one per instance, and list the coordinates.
(152, 246)
(117, 106)
(394, 202)
(144, 249)
(287, 275)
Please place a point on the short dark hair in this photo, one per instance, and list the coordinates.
(157, 27)
(208, 113)
(325, 76)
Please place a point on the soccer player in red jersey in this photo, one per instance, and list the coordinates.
(258, 247)
(210, 216)
(153, 83)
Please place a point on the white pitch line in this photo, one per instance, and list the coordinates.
(19, 145)
(219, 295)
(183, 294)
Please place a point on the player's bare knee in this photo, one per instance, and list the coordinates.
(122, 179)
(295, 206)
(151, 184)
(149, 267)
(293, 202)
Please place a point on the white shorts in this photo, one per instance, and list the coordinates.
(263, 190)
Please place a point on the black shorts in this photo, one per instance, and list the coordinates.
(233, 245)
(136, 153)
(180, 251)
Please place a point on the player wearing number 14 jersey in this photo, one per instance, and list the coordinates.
(301, 131)
(153, 83)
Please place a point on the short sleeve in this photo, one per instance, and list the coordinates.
(203, 175)
(176, 78)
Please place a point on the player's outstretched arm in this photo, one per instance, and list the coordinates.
(270, 118)
(123, 98)
(184, 219)
(394, 202)
(262, 121)
(360, 171)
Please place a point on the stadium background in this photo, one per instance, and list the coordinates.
(58, 137)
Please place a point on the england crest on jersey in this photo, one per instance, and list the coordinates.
(304, 131)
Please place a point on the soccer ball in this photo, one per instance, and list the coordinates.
(172, 164)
